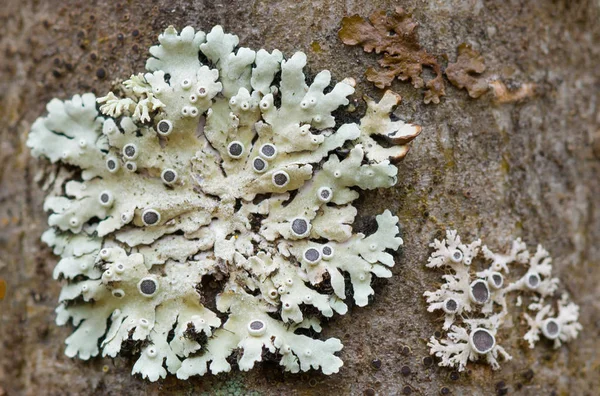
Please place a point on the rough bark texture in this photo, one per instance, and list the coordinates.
(528, 169)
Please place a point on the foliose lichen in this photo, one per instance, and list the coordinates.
(476, 303)
(211, 219)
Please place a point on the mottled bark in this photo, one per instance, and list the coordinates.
(490, 170)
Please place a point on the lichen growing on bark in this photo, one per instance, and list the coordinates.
(231, 171)
(476, 303)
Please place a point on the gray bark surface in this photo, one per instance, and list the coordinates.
(528, 169)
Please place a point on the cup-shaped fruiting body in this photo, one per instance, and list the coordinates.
(105, 253)
(268, 151)
(150, 217)
(131, 166)
(130, 151)
(235, 149)
(259, 165)
(327, 252)
(148, 287)
(119, 268)
(451, 306)
(106, 198)
(532, 280)
(300, 227)
(280, 179)
(112, 164)
(479, 291)
(324, 194)
(126, 216)
(495, 280)
(108, 275)
(285, 349)
(186, 83)
(164, 127)
(456, 256)
(197, 319)
(145, 323)
(245, 105)
(201, 91)
(168, 176)
(312, 256)
(551, 328)
(257, 328)
(152, 352)
(482, 341)
(266, 103)
(118, 293)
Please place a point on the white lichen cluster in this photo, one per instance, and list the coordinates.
(476, 303)
(211, 221)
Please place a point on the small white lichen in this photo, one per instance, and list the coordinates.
(560, 328)
(475, 342)
(454, 296)
(212, 218)
(478, 300)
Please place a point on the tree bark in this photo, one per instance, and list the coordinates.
(497, 171)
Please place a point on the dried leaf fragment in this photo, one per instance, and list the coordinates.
(466, 71)
(395, 36)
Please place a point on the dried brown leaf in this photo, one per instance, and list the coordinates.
(466, 71)
(395, 36)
